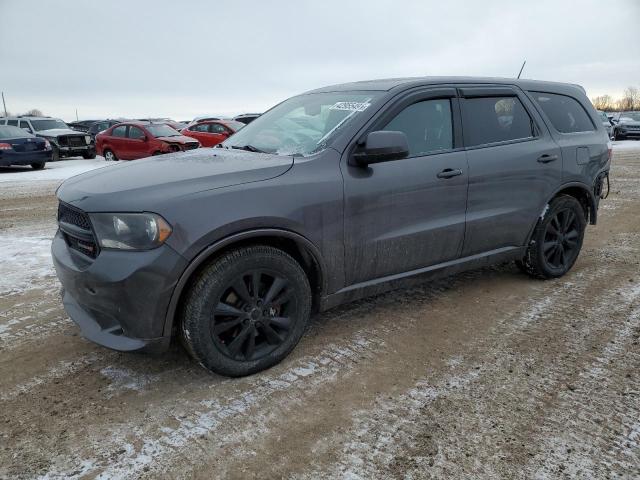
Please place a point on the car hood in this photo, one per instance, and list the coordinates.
(145, 185)
(56, 132)
(629, 124)
(178, 139)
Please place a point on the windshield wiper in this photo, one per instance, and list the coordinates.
(248, 148)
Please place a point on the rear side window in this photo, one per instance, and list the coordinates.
(12, 122)
(201, 127)
(120, 131)
(427, 125)
(217, 128)
(495, 119)
(565, 113)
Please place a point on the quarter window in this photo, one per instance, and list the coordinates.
(565, 113)
(427, 125)
(120, 131)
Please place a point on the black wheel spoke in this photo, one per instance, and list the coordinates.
(548, 246)
(227, 310)
(569, 217)
(563, 256)
(280, 322)
(572, 235)
(251, 345)
(555, 225)
(556, 256)
(255, 284)
(221, 327)
(276, 287)
(272, 337)
(236, 344)
(240, 287)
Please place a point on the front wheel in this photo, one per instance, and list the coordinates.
(557, 239)
(246, 311)
(109, 156)
(37, 166)
(89, 155)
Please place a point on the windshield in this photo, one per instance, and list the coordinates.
(39, 125)
(604, 117)
(162, 131)
(630, 117)
(7, 131)
(301, 125)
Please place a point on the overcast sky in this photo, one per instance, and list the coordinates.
(187, 58)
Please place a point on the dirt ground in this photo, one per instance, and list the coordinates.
(489, 374)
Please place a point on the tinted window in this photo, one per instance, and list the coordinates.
(135, 132)
(48, 124)
(120, 131)
(217, 128)
(427, 126)
(565, 113)
(201, 127)
(24, 125)
(12, 122)
(495, 119)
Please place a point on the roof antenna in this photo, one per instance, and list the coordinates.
(521, 68)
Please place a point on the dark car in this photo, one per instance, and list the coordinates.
(246, 118)
(82, 125)
(330, 196)
(627, 126)
(139, 139)
(101, 126)
(64, 141)
(18, 147)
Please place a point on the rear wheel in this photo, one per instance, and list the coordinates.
(557, 239)
(246, 311)
(38, 166)
(55, 153)
(89, 155)
(109, 156)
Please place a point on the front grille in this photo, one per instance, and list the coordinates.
(76, 229)
(190, 145)
(75, 141)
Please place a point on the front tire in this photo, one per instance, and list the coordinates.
(557, 239)
(38, 166)
(89, 155)
(246, 311)
(109, 156)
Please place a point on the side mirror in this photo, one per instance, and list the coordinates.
(382, 146)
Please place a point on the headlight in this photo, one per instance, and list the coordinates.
(87, 138)
(130, 231)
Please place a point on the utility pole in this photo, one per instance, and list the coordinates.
(521, 68)
(4, 105)
(76, 114)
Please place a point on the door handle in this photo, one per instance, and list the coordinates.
(449, 173)
(546, 158)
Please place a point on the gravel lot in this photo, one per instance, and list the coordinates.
(488, 374)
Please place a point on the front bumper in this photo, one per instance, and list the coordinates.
(75, 151)
(8, 157)
(119, 299)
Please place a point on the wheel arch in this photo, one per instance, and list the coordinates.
(296, 245)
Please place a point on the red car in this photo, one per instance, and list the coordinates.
(211, 132)
(132, 140)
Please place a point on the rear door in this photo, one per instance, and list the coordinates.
(218, 133)
(137, 145)
(514, 167)
(408, 214)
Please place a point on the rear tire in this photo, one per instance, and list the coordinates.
(557, 239)
(246, 311)
(89, 156)
(37, 166)
(55, 154)
(109, 156)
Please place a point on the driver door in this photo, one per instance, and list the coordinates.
(409, 214)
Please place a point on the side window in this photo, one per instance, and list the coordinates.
(217, 128)
(120, 131)
(12, 122)
(427, 125)
(565, 113)
(25, 125)
(495, 119)
(135, 132)
(201, 127)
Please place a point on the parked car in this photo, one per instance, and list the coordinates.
(627, 126)
(64, 141)
(606, 122)
(82, 125)
(138, 139)
(328, 197)
(18, 147)
(246, 118)
(211, 132)
(167, 121)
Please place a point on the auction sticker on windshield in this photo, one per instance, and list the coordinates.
(350, 106)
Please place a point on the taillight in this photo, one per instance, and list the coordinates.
(5, 146)
(47, 145)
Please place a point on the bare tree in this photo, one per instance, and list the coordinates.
(630, 99)
(34, 112)
(603, 102)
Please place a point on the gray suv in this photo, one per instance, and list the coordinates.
(330, 196)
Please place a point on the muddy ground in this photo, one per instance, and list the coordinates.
(489, 374)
